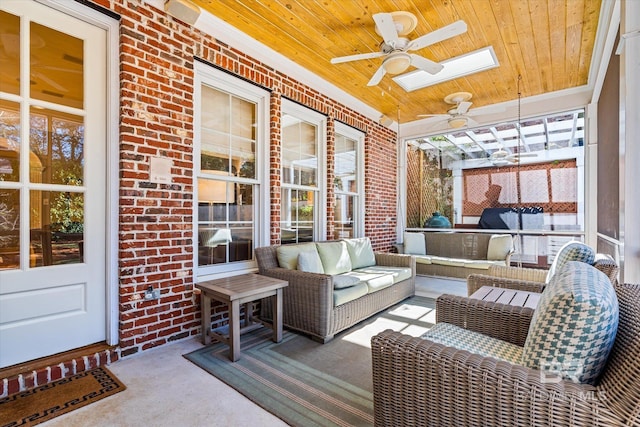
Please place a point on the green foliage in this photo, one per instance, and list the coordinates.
(305, 213)
(67, 212)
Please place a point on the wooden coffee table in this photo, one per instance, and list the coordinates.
(507, 296)
(236, 290)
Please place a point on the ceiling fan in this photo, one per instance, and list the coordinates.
(460, 115)
(393, 27)
(502, 157)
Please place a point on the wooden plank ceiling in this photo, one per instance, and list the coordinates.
(548, 42)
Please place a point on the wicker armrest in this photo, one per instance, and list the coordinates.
(505, 322)
(420, 383)
(529, 274)
(608, 266)
(476, 281)
(395, 260)
(308, 300)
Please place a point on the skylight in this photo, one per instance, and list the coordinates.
(463, 65)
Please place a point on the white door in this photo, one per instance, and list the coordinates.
(52, 182)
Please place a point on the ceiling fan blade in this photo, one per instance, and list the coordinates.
(435, 124)
(525, 155)
(464, 106)
(377, 76)
(438, 35)
(387, 28)
(471, 122)
(425, 64)
(356, 57)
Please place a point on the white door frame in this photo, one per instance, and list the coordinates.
(111, 25)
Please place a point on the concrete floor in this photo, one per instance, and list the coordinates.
(165, 389)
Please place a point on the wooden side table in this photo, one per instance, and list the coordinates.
(236, 290)
(507, 296)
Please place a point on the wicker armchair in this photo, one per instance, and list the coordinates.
(417, 382)
(531, 279)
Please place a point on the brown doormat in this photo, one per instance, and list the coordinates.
(42, 403)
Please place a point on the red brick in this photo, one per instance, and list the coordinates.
(29, 380)
(55, 373)
(93, 362)
(42, 376)
(80, 365)
(13, 385)
(68, 369)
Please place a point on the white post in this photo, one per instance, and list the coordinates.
(629, 139)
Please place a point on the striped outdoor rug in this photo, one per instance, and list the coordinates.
(310, 384)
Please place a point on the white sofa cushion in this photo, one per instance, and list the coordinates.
(335, 257)
(500, 245)
(288, 254)
(415, 244)
(379, 276)
(360, 252)
(310, 262)
(344, 295)
(478, 264)
(341, 281)
(451, 262)
(423, 259)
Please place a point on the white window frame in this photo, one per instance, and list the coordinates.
(207, 75)
(310, 116)
(357, 135)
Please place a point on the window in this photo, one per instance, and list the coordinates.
(230, 139)
(302, 218)
(348, 183)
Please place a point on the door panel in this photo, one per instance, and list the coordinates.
(52, 182)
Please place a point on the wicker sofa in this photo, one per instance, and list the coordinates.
(457, 254)
(421, 382)
(321, 303)
(534, 279)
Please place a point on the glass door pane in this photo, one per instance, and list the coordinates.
(9, 229)
(9, 141)
(48, 196)
(10, 48)
(56, 73)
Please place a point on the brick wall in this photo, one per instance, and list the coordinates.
(156, 107)
(41, 373)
